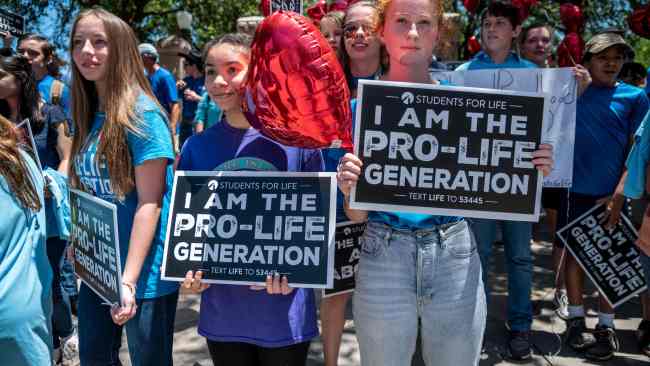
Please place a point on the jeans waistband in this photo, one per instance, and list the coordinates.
(440, 230)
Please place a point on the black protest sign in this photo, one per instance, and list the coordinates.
(609, 257)
(96, 245)
(287, 5)
(451, 151)
(346, 256)
(12, 23)
(239, 227)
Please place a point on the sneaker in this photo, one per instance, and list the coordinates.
(643, 337)
(519, 346)
(578, 337)
(606, 344)
(70, 350)
(561, 302)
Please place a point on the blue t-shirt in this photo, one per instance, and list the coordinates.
(198, 86)
(231, 313)
(46, 138)
(153, 142)
(207, 112)
(25, 278)
(163, 86)
(45, 89)
(482, 61)
(605, 120)
(637, 161)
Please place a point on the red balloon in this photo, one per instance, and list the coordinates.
(471, 5)
(473, 45)
(639, 21)
(571, 17)
(317, 11)
(265, 7)
(296, 86)
(338, 5)
(569, 52)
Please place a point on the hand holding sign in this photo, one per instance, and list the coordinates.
(543, 159)
(193, 282)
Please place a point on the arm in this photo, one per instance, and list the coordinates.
(582, 77)
(150, 186)
(643, 242)
(201, 114)
(174, 116)
(63, 148)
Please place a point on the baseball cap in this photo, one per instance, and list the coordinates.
(602, 41)
(193, 57)
(148, 49)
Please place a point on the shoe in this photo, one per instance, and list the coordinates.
(561, 302)
(606, 344)
(519, 346)
(643, 337)
(578, 337)
(70, 350)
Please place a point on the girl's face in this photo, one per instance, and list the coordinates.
(361, 42)
(537, 45)
(9, 85)
(497, 33)
(605, 66)
(410, 31)
(226, 67)
(90, 48)
(332, 33)
(33, 50)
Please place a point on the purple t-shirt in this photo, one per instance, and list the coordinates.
(231, 313)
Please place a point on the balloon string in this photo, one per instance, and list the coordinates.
(569, 52)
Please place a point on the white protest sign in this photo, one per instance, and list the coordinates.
(559, 129)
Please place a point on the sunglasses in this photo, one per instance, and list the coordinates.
(350, 30)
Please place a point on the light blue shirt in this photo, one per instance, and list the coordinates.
(482, 61)
(207, 112)
(637, 161)
(154, 142)
(25, 278)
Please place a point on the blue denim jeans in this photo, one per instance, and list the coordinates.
(431, 277)
(61, 313)
(149, 333)
(519, 261)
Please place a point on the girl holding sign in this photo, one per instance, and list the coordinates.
(123, 154)
(25, 275)
(247, 326)
(402, 249)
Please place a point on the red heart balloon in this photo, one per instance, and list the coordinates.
(297, 86)
(569, 52)
(571, 17)
(639, 21)
(471, 5)
(265, 7)
(473, 45)
(317, 11)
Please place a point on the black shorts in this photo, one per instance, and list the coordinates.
(552, 197)
(246, 354)
(572, 208)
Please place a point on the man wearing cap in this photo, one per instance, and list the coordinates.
(163, 85)
(192, 87)
(608, 114)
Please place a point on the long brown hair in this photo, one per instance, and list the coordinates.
(14, 169)
(125, 81)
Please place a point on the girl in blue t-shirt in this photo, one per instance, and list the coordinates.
(414, 268)
(247, 326)
(122, 153)
(25, 275)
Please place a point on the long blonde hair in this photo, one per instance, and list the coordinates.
(14, 169)
(125, 81)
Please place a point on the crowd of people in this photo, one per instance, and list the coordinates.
(124, 124)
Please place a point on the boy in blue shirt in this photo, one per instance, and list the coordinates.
(608, 114)
(192, 87)
(500, 25)
(163, 85)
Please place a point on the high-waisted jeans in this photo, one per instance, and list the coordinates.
(429, 277)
